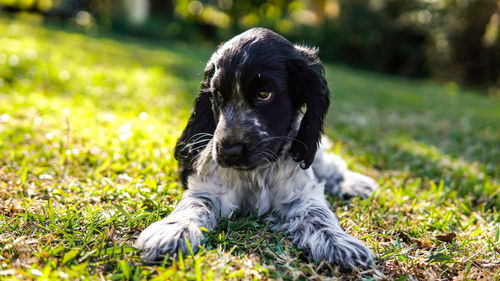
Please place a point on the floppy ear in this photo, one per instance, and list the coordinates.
(199, 129)
(308, 86)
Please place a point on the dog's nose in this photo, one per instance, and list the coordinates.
(230, 151)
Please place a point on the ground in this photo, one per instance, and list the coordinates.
(87, 128)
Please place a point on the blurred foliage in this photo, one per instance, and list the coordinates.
(375, 34)
(466, 40)
(448, 39)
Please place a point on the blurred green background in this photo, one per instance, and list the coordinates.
(452, 40)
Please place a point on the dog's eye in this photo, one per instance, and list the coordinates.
(218, 95)
(264, 95)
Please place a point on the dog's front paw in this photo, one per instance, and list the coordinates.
(342, 250)
(355, 184)
(167, 237)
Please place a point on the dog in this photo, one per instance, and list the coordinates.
(253, 143)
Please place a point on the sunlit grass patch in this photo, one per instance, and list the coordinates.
(87, 129)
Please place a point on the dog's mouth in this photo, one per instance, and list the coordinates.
(242, 163)
(243, 168)
(242, 156)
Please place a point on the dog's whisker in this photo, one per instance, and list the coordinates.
(271, 139)
(197, 142)
(265, 158)
(273, 155)
(200, 135)
(268, 153)
(198, 147)
(194, 161)
(202, 138)
(276, 138)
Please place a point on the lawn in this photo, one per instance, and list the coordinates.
(87, 129)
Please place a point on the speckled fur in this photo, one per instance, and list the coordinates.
(295, 196)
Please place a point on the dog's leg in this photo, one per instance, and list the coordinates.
(339, 180)
(199, 207)
(314, 227)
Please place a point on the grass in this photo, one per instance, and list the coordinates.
(87, 129)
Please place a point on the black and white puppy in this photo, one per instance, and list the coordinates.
(253, 143)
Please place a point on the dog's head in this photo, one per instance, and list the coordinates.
(255, 86)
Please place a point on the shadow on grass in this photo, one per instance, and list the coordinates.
(432, 131)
